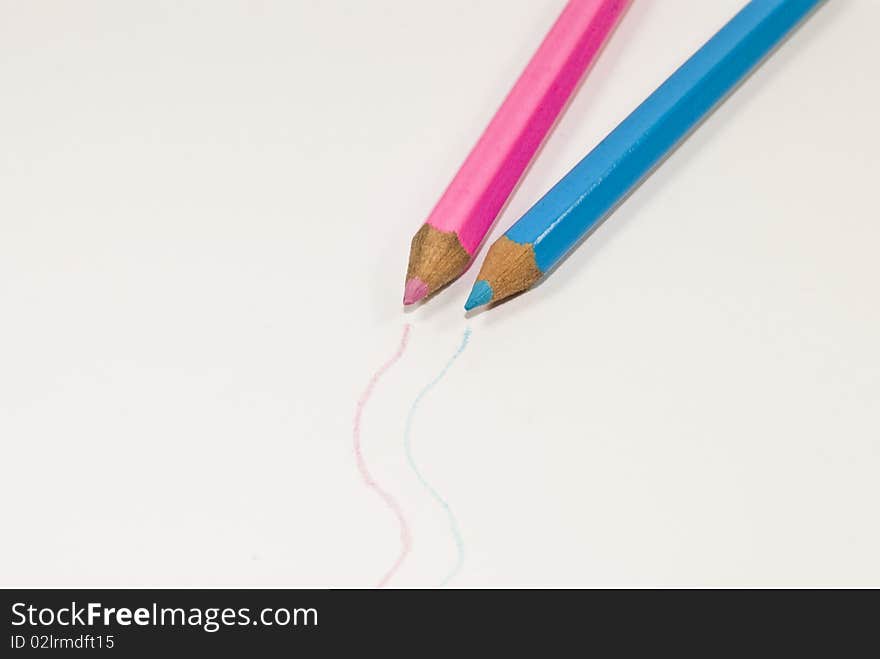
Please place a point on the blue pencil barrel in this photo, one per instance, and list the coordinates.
(584, 196)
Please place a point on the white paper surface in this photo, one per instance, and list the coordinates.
(205, 213)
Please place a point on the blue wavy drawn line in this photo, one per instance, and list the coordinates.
(407, 443)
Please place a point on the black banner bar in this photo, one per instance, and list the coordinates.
(251, 622)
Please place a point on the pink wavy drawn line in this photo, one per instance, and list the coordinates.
(390, 501)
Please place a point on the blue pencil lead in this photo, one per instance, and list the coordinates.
(481, 294)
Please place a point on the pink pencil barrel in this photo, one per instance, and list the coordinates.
(479, 190)
(446, 243)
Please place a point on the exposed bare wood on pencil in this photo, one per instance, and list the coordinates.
(509, 268)
(436, 258)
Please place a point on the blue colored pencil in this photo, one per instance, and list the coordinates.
(579, 201)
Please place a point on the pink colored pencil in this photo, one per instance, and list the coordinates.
(447, 242)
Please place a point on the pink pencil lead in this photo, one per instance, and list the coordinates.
(414, 291)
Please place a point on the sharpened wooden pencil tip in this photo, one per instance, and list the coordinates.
(509, 268)
(435, 259)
